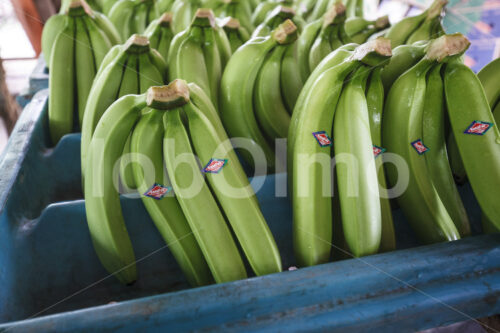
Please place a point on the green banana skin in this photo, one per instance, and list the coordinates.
(223, 45)
(237, 36)
(54, 25)
(304, 44)
(84, 66)
(164, 5)
(437, 157)
(183, 12)
(375, 98)
(129, 84)
(361, 214)
(148, 74)
(237, 87)
(319, 9)
(100, 42)
(270, 110)
(120, 15)
(321, 46)
(456, 163)
(420, 202)
(425, 31)
(160, 34)
(147, 142)
(156, 59)
(138, 20)
(291, 82)
(403, 58)
(110, 56)
(102, 201)
(496, 113)
(237, 9)
(213, 63)
(108, 28)
(61, 76)
(489, 77)
(466, 102)
(207, 224)
(279, 15)
(333, 59)
(241, 210)
(263, 9)
(399, 32)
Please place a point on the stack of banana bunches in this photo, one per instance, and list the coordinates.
(376, 116)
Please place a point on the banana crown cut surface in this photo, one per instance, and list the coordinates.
(204, 17)
(168, 97)
(285, 33)
(447, 46)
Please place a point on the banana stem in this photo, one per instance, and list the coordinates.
(447, 46)
(172, 96)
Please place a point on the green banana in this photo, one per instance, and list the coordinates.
(61, 76)
(403, 58)
(237, 89)
(85, 67)
(312, 122)
(437, 157)
(456, 163)
(138, 21)
(489, 77)
(238, 9)
(236, 34)
(107, 27)
(213, 63)
(357, 176)
(402, 135)
(164, 5)
(467, 105)
(304, 44)
(291, 82)
(54, 25)
(401, 31)
(160, 34)
(270, 110)
(263, 9)
(199, 205)
(147, 145)
(426, 30)
(102, 201)
(375, 98)
(149, 74)
(234, 195)
(120, 15)
(361, 36)
(183, 12)
(100, 42)
(279, 15)
(319, 10)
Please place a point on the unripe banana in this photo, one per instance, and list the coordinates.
(437, 157)
(489, 77)
(200, 208)
(304, 44)
(469, 114)
(237, 88)
(100, 42)
(236, 34)
(263, 9)
(403, 135)
(270, 110)
(183, 12)
(279, 15)
(51, 29)
(61, 76)
(234, 195)
(120, 15)
(147, 144)
(309, 152)
(160, 34)
(320, 8)
(213, 63)
(291, 82)
(357, 179)
(164, 5)
(403, 58)
(107, 27)
(102, 200)
(375, 98)
(239, 9)
(456, 163)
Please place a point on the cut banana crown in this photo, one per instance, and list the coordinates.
(168, 97)
(285, 33)
(166, 19)
(137, 44)
(447, 46)
(204, 18)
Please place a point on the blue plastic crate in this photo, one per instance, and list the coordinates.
(52, 280)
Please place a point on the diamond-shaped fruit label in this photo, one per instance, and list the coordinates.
(419, 147)
(323, 139)
(478, 128)
(157, 191)
(377, 151)
(214, 166)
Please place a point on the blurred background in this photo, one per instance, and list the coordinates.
(21, 24)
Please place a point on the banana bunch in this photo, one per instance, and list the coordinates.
(236, 34)
(264, 8)
(276, 17)
(130, 68)
(359, 29)
(189, 206)
(424, 26)
(183, 12)
(309, 154)
(160, 34)
(76, 54)
(133, 16)
(199, 54)
(258, 91)
(321, 37)
(413, 128)
(239, 9)
(57, 22)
